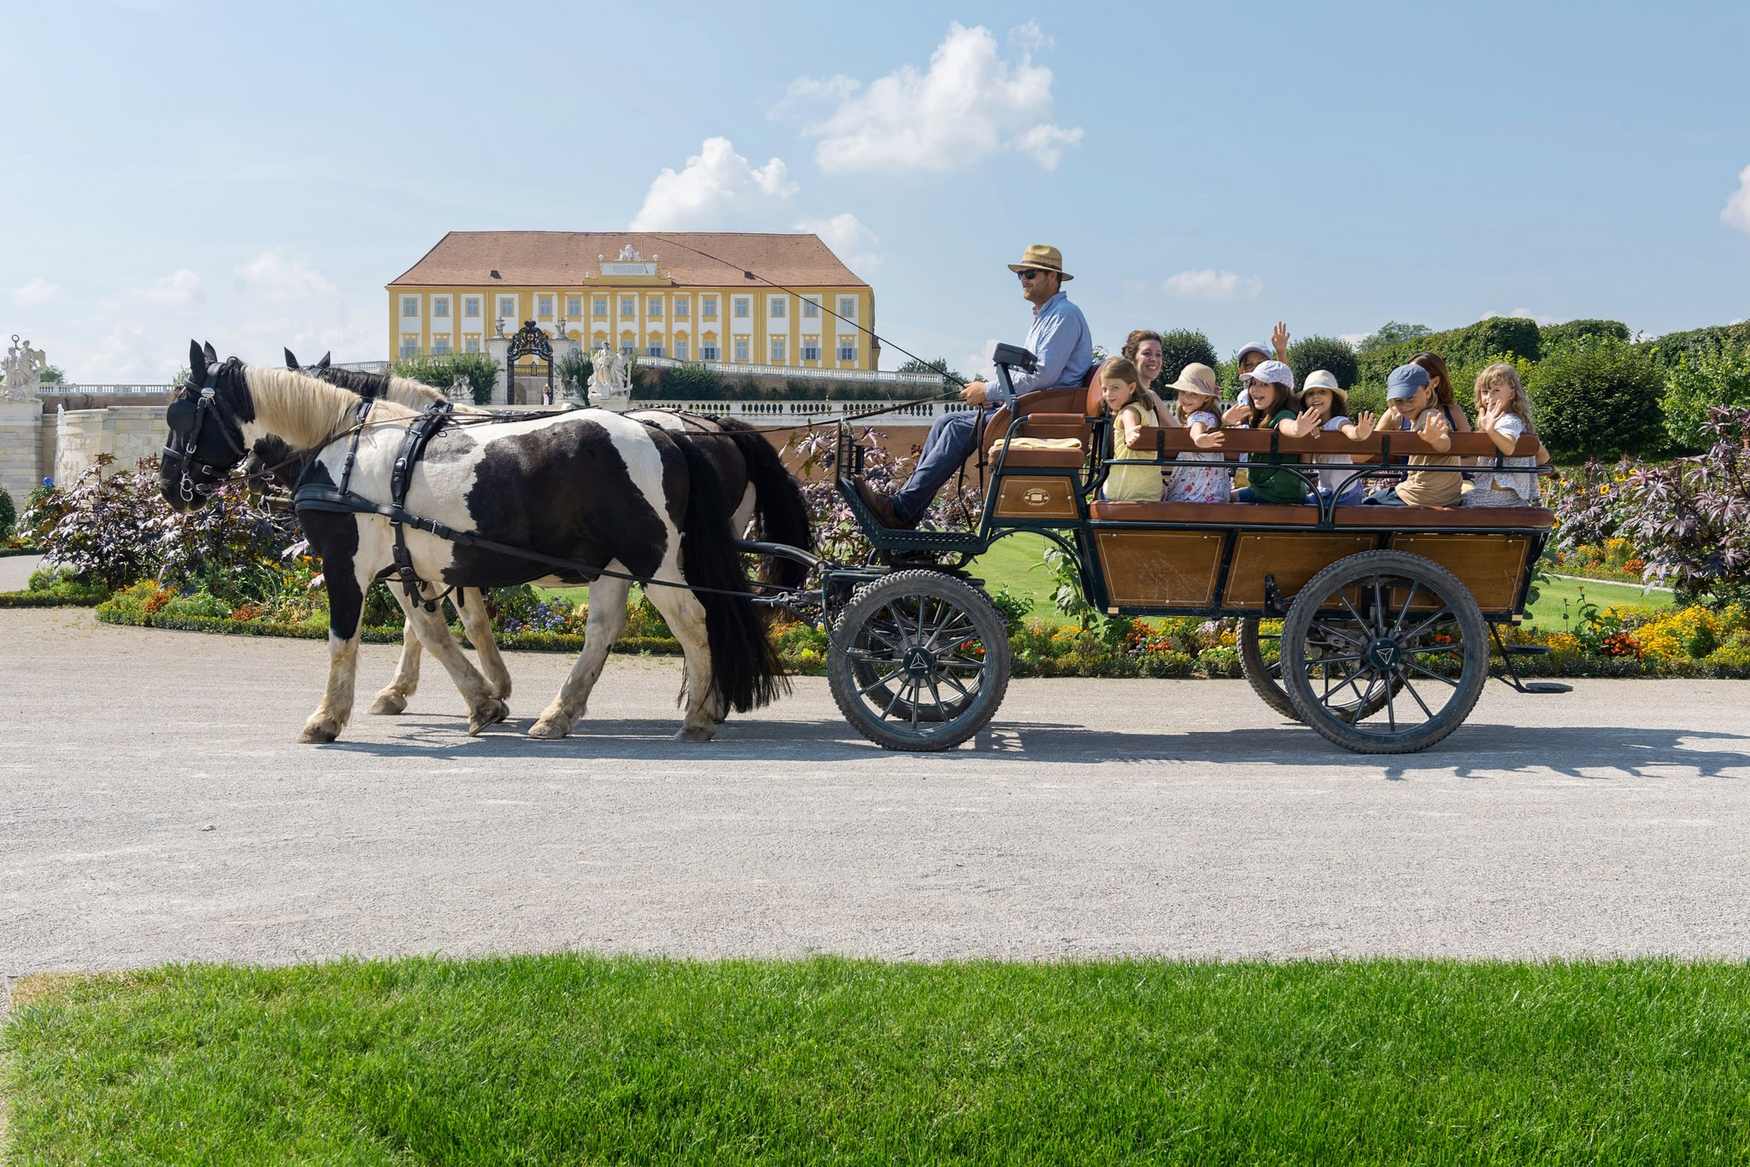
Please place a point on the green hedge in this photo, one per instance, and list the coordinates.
(1600, 399)
(1561, 335)
(56, 597)
(440, 372)
(1673, 348)
(1512, 336)
(1337, 357)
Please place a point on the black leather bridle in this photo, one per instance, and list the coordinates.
(187, 417)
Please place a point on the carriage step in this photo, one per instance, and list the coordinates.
(1545, 687)
(1525, 649)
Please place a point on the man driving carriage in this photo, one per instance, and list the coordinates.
(1058, 337)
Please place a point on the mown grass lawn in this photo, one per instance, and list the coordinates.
(578, 1059)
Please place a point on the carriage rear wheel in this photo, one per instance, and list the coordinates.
(1265, 676)
(919, 661)
(1409, 641)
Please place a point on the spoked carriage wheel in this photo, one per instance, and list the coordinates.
(1265, 676)
(1410, 642)
(919, 661)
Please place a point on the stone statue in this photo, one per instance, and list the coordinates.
(23, 371)
(629, 254)
(610, 381)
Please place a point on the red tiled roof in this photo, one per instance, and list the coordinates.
(566, 258)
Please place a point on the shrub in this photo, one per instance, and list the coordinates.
(1310, 353)
(1390, 333)
(1690, 519)
(689, 383)
(1513, 336)
(109, 528)
(574, 370)
(1600, 398)
(1555, 336)
(1673, 348)
(8, 515)
(1181, 347)
(441, 372)
(1697, 383)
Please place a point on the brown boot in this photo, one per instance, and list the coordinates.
(881, 506)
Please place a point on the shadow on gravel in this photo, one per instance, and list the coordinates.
(1474, 751)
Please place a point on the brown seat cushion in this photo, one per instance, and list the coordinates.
(1389, 516)
(1225, 513)
(1023, 456)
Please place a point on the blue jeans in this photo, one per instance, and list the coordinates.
(1385, 498)
(1244, 494)
(952, 438)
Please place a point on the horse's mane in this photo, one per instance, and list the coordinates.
(304, 411)
(401, 390)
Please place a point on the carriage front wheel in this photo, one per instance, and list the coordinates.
(1384, 652)
(919, 660)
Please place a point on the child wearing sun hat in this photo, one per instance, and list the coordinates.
(1325, 407)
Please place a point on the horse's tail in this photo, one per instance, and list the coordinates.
(744, 666)
(778, 501)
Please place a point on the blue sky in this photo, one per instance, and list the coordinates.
(256, 174)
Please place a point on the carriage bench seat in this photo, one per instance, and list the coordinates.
(1289, 515)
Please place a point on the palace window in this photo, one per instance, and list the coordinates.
(775, 307)
(708, 352)
(680, 348)
(743, 307)
(655, 308)
(741, 349)
(847, 350)
(598, 305)
(410, 306)
(680, 309)
(628, 305)
(654, 350)
(778, 347)
(440, 346)
(507, 309)
(409, 345)
(544, 306)
(848, 307)
(471, 307)
(810, 308)
(627, 350)
(574, 307)
(440, 307)
(471, 342)
(811, 348)
(708, 308)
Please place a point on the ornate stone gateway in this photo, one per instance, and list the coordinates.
(528, 341)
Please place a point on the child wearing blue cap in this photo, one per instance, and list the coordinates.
(1411, 405)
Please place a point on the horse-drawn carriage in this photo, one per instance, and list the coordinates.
(1387, 613)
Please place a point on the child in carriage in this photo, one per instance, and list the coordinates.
(1325, 407)
(1202, 477)
(1268, 403)
(1505, 415)
(1132, 408)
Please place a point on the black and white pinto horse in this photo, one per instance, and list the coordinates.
(639, 501)
(748, 467)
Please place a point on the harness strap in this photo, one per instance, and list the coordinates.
(413, 443)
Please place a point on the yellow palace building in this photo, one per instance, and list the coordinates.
(690, 296)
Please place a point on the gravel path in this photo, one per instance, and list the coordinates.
(154, 807)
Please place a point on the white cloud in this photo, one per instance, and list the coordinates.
(179, 289)
(968, 104)
(36, 293)
(1736, 212)
(1520, 314)
(977, 363)
(1209, 284)
(717, 188)
(278, 277)
(1353, 339)
(850, 239)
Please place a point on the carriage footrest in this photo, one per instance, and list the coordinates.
(1545, 687)
(1525, 649)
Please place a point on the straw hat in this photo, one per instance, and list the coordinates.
(1197, 378)
(1042, 257)
(1322, 379)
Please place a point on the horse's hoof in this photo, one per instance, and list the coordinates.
(319, 730)
(697, 733)
(490, 713)
(389, 701)
(550, 727)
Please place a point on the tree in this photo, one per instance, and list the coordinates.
(1600, 399)
(1698, 383)
(53, 375)
(1392, 332)
(1181, 347)
(1310, 353)
(939, 365)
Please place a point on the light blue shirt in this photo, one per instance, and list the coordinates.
(1060, 339)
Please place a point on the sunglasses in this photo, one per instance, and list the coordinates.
(1028, 273)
